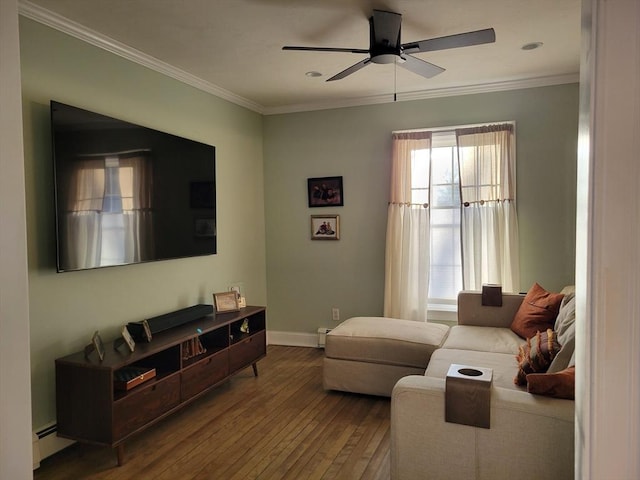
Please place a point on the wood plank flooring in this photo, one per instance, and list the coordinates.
(279, 425)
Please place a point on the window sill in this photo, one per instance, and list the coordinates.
(443, 313)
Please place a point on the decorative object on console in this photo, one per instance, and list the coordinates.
(129, 377)
(244, 328)
(537, 312)
(242, 300)
(325, 227)
(192, 348)
(126, 338)
(97, 345)
(325, 192)
(226, 302)
(492, 295)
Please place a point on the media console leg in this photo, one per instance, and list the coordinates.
(255, 369)
(120, 454)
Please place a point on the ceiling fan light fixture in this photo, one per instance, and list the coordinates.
(313, 74)
(531, 46)
(384, 58)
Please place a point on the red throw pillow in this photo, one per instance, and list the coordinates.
(559, 385)
(537, 312)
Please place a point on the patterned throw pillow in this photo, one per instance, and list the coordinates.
(536, 355)
(537, 312)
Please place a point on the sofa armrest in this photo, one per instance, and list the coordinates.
(472, 312)
(531, 437)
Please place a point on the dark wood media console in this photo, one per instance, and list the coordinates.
(91, 409)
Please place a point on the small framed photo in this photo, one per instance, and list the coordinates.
(128, 338)
(226, 302)
(98, 345)
(325, 192)
(205, 227)
(325, 227)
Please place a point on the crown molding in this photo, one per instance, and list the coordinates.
(81, 32)
(74, 29)
(517, 84)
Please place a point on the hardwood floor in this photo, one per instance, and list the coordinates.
(279, 425)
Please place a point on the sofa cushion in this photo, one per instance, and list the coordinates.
(503, 366)
(483, 339)
(537, 312)
(388, 341)
(559, 385)
(565, 329)
(536, 355)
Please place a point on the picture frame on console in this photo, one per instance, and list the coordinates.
(226, 302)
(96, 345)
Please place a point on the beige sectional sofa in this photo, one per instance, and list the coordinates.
(530, 436)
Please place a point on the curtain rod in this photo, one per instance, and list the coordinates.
(453, 127)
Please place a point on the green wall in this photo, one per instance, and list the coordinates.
(306, 278)
(66, 309)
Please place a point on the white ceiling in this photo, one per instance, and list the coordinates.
(234, 47)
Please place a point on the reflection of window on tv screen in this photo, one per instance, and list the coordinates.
(128, 194)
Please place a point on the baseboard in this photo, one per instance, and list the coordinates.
(47, 444)
(292, 339)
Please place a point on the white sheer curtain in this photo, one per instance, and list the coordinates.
(488, 223)
(407, 248)
(87, 236)
(136, 187)
(82, 224)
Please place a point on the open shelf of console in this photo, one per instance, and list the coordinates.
(91, 409)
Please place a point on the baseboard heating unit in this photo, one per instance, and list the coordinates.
(322, 334)
(47, 443)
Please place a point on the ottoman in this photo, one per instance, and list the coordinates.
(370, 354)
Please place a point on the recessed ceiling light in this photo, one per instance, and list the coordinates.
(313, 74)
(531, 46)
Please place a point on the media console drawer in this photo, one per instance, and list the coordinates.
(247, 351)
(140, 407)
(203, 374)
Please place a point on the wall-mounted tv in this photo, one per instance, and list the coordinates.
(128, 194)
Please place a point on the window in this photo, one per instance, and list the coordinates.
(452, 221)
(445, 269)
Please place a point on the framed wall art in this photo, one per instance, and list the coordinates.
(325, 227)
(325, 192)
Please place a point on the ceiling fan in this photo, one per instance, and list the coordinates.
(385, 46)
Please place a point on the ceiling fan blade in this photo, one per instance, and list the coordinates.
(467, 39)
(325, 49)
(350, 70)
(420, 67)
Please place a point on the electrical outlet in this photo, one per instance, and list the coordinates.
(335, 314)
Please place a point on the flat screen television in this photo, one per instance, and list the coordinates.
(128, 194)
